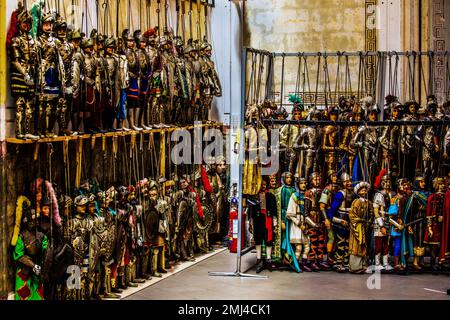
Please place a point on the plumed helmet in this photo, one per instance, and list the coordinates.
(101, 38)
(281, 113)
(178, 42)
(314, 175)
(137, 36)
(48, 17)
(76, 35)
(152, 185)
(361, 185)
(60, 24)
(411, 103)
(345, 177)
(87, 43)
(110, 43)
(126, 35)
(24, 16)
(151, 33)
(81, 200)
(205, 46)
(93, 34)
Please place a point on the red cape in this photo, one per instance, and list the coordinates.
(445, 240)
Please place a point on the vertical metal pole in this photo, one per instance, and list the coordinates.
(241, 156)
(3, 211)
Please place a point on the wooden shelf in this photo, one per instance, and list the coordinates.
(110, 134)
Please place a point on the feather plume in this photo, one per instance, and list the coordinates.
(377, 182)
(21, 201)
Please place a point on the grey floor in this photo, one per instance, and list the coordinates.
(195, 284)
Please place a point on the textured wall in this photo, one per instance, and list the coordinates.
(306, 26)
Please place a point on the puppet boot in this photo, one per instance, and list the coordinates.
(304, 265)
(259, 265)
(386, 264)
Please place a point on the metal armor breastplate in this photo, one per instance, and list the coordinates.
(90, 67)
(133, 66)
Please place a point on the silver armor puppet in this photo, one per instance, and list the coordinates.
(183, 80)
(78, 89)
(212, 82)
(66, 50)
(408, 140)
(389, 140)
(169, 89)
(191, 83)
(24, 60)
(91, 83)
(366, 140)
(81, 226)
(308, 144)
(113, 86)
(349, 133)
(50, 77)
(429, 138)
(145, 68)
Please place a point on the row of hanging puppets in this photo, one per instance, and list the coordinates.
(412, 140)
(116, 236)
(64, 79)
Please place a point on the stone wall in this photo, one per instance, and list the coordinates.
(307, 26)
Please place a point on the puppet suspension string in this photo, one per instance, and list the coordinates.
(337, 86)
(317, 79)
(348, 78)
(158, 13)
(282, 81)
(297, 80)
(199, 31)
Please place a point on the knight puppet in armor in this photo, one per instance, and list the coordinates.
(24, 63)
(29, 247)
(338, 214)
(263, 212)
(50, 77)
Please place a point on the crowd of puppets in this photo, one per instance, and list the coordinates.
(67, 82)
(356, 198)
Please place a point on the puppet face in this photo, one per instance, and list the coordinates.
(348, 184)
(273, 181)
(422, 184)
(386, 185)
(302, 185)
(357, 116)
(45, 209)
(221, 168)
(372, 116)
(153, 194)
(47, 27)
(297, 115)
(110, 50)
(395, 113)
(91, 208)
(334, 178)
(333, 117)
(263, 186)
(362, 192)
(288, 180)
(130, 44)
(315, 182)
(81, 209)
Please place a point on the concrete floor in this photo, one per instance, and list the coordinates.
(195, 284)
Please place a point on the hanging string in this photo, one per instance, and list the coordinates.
(306, 80)
(337, 86)
(282, 81)
(260, 73)
(299, 72)
(327, 80)
(348, 78)
(317, 79)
